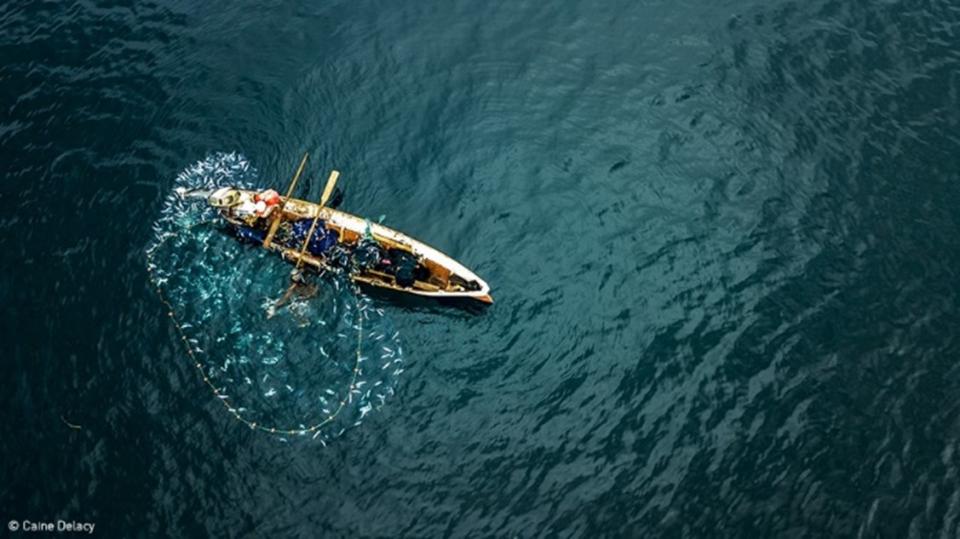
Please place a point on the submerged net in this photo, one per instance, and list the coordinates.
(315, 366)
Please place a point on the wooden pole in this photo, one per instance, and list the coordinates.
(278, 214)
(328, 190)
(306, 241)
(296, 177)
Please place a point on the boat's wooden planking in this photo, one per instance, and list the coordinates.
(447, 276)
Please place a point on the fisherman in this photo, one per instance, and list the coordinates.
(247, 211)
(299, 287)
(266, 201)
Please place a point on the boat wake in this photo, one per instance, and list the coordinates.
(312, 367)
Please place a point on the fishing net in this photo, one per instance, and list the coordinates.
(313, 367)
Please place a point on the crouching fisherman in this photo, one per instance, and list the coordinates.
(299, 289)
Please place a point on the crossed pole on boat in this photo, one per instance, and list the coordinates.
(278, 216)
(327, 191)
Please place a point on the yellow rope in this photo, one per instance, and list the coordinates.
(151, 268)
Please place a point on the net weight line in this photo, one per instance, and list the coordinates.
(223, 398)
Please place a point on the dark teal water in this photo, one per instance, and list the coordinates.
(722, 236)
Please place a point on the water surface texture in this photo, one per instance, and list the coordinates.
(722, 238)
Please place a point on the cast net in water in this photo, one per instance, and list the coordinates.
(313, 367)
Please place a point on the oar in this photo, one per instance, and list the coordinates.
(328, 190)
(331, 182)
(278, 214)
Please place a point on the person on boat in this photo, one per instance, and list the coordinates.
(246, 210)
(299, 289)
(265, 202)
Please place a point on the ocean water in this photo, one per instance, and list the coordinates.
(722, 238)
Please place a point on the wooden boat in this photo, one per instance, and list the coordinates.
(428, 272)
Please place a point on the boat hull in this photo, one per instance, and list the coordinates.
(447, 277)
